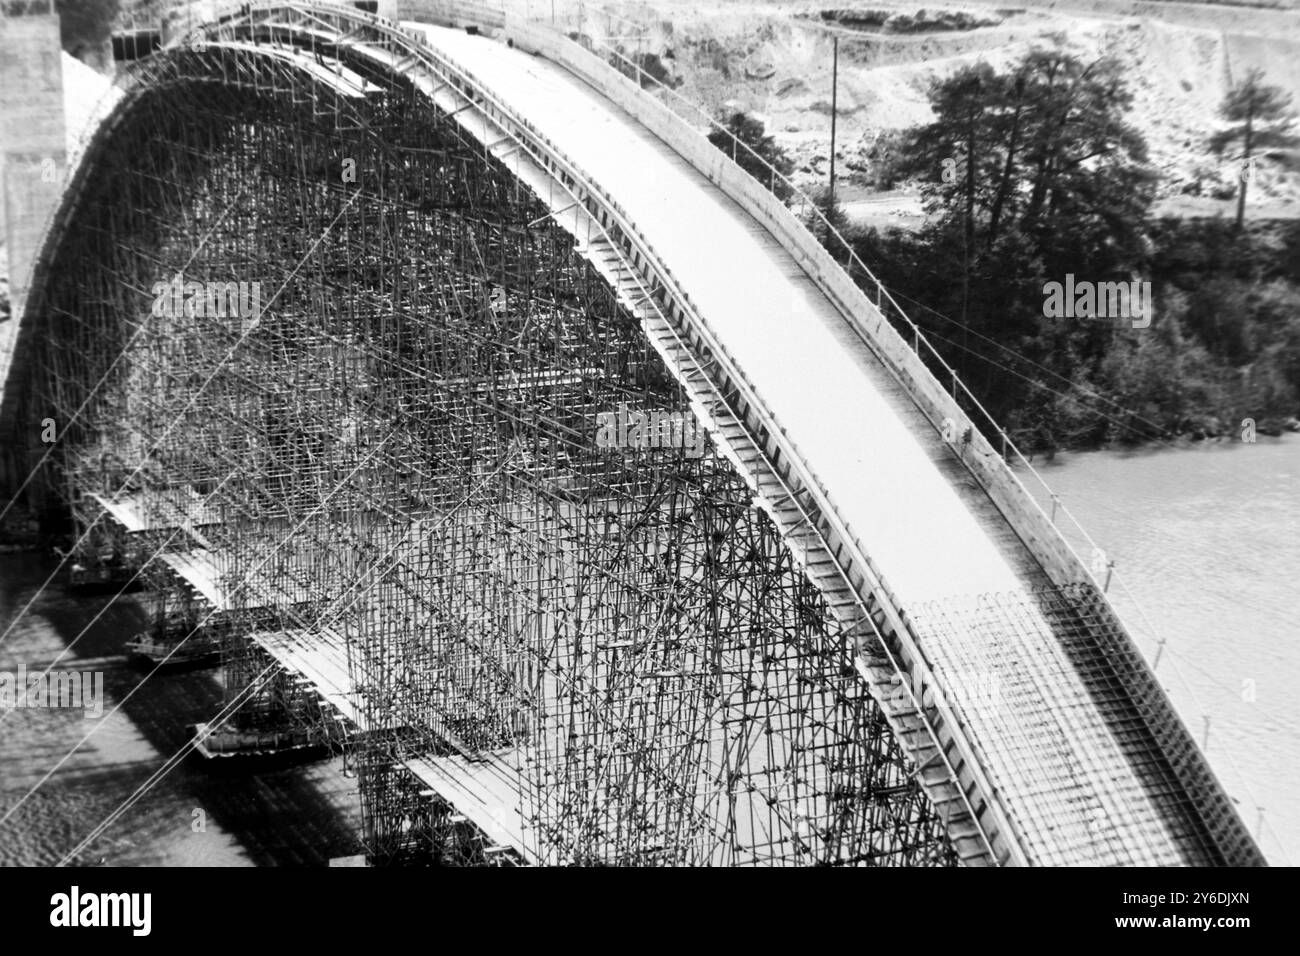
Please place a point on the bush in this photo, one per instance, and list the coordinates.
(751, 133)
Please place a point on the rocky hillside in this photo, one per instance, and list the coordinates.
(774, 59)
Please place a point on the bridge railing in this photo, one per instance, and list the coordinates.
(941, 401)
(1045, 532)
(945, 411)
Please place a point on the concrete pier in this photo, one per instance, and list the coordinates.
(33, 161)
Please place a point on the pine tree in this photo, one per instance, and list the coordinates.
(765, 152)
(1261, 117)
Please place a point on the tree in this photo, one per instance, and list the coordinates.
(762, 153)
(1260, 116)
(1043, 148)
(824, 202)
(1029, 173)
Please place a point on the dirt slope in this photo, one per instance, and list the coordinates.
(774, 59)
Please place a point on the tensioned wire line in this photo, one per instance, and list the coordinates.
(1036, 384)
(1041, 367)
(178, 417)
(1038, 365)
(174, 761)
(1092, 502)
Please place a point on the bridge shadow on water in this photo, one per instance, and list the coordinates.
(265, 811)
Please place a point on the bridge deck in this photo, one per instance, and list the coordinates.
(855, 423)
(1049, 746)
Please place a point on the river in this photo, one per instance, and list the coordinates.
(199, 814)
(1207, 542)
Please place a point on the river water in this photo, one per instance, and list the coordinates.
(1207, 540)
(201, 813)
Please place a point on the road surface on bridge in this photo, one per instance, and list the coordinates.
(926, 523)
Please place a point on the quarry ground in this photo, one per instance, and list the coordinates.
(773, 59)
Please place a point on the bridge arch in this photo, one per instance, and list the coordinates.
(393, 442)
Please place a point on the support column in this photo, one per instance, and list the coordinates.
(32, 165)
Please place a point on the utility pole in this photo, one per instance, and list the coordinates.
(835, 85)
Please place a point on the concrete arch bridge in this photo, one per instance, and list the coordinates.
(830, 636)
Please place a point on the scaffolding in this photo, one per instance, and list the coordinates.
(555, 652)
